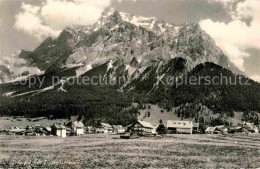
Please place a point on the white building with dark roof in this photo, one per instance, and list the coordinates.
(58, 130)
(175, 127)
(78, 128)
(142, 128)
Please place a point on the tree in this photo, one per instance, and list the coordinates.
(161, 129)
(69, 118)
(79, 117)
(201, 120)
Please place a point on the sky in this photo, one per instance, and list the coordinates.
(233, 24)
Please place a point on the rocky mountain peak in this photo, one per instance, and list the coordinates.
(125, 36)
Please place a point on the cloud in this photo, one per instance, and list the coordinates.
(255, 77)
(235, 37)
(30, 22)
(224, 2)
(49, 18)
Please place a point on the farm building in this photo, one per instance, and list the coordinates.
(47, 130)
(16, 131)
(107, 127)
(221, 129)
(142, 128)
(100, 130)
(175, 127)
(77, 128)
(58, 130)
(236, 129)
(40, 131)
(118, 129)
(30, 132)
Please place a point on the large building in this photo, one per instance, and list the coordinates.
(142, 128)
(184, 127)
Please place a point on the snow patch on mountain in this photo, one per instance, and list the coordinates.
(83, 70)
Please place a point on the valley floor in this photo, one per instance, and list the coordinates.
(109, 151)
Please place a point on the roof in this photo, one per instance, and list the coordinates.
(179, 124)
(145, 124)
(78, 124)
(106, 125)
(220, 126)
(58, 126)
(48, 128)
(118, 126)
(210, 129)
(17, 130)
(249, 124)
(235, 128)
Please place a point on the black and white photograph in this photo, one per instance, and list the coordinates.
(107, 84)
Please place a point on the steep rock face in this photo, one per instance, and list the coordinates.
(196, 46)
(122, 35)
(18, 65)
(118, 35)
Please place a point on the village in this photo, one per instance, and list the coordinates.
(64, 143)
(138, 129)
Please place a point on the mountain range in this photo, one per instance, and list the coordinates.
(144, 52)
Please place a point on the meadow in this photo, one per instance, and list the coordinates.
(109, 151)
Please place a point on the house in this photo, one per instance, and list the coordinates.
(251, 127)
(100, 130)
(78, 128)
(119, 129)
(40, 132)
(16, 131)
(210, 130)
(184, 127)
(142, 128)
(235, 129)
(221, 129)
(30, 132)
(47, 130)
(107, 127)
(58, 130)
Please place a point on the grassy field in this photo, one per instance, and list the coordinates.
(108, 151)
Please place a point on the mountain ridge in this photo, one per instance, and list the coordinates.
(122, 35)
